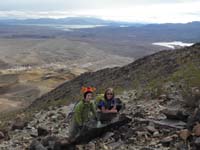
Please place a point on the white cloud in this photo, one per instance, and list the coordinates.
(35, 15)
(160, 13)
(179, 12)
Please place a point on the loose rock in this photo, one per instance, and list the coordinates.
(42, 131)
(2, 135)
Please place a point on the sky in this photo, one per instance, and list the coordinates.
(143, 11)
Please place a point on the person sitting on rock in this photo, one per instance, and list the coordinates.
(108, 103)
(84, 111)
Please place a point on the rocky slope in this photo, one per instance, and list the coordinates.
(154, 125)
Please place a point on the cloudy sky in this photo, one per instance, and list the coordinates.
(154, 11)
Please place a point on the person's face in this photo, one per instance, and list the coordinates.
(109, 95)
(88, 97)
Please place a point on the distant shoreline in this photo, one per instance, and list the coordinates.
(172, 45)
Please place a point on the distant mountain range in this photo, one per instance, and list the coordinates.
(119, 38)
(67, 21)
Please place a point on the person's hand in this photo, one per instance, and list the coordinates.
(112, 111)
(99, 110)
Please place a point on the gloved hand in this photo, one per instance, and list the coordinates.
(96, 118)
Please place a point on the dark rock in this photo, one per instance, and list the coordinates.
(60, 117)
(88, 134)
(62, 114)
(183, 146)
(108, 135)
(2, 135)
(184, 134)
(156, 134)
(54, 118)
(128, 134)
(175, 114)
(42, 131)
(51, 113)
(91, 146)
(197, 142)
(33, 135)
(163, 96)
(146, 148)
(115, 145)
(131, 140)
(19, 124)
(166, 141)
(36, 145)
(196, 130)
(195, 117)
(151, 129)
(139, 114)
(63, 144)
(49, 141)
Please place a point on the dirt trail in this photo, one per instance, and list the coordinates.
(8, 105)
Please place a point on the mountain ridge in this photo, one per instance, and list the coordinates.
(67, 21)
(145, 73)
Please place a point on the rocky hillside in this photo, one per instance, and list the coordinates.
(155, 124)
(148, 75)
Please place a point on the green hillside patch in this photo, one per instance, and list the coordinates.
(189, 73)
(187, 76)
